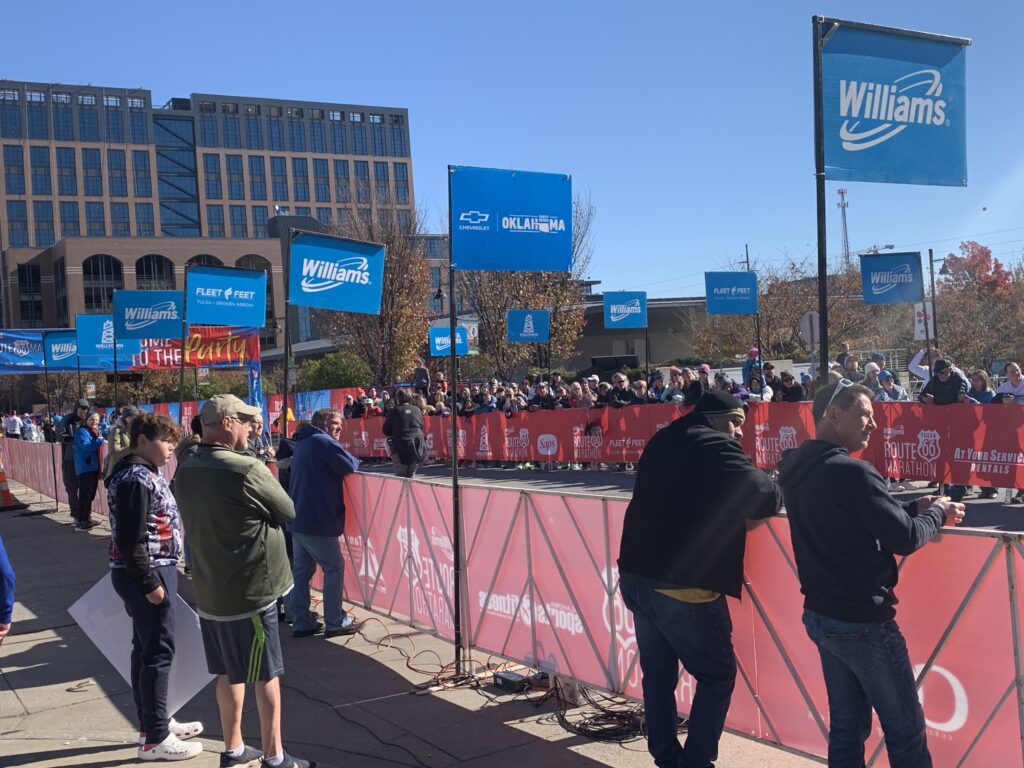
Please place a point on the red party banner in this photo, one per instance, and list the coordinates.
(212, 346)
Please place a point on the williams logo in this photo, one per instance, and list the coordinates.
(543, 223)
(323, 275)
(475, 221)
(889, 107)
(620, 312)
(883, 282)
(63, 350)
(137, 318)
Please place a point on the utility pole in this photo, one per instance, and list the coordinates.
(757, 319)
(843, 205)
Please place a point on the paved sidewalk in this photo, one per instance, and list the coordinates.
(345, 703)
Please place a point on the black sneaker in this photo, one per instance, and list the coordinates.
(248, 755)
(351, 627)
(291, 762)
(309, 632)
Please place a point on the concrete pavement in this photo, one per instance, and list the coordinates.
(346, 703)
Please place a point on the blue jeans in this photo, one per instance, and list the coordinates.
(865, 666)
(669, 631)
(308, 551)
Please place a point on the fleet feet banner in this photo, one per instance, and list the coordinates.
(892, 278)
(625, 309)
(510, 221)
(226, 296)
(21, 351)
(336, 273)
(529, 325)
(147, 314)
(894, 103)
(213, 346)
(731, 293)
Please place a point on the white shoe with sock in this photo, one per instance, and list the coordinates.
(183, 731)
(172, 748)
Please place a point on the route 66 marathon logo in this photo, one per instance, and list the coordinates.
(928, 448)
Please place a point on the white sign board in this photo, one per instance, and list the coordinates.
(919, 329)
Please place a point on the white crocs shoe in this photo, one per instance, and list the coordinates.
(183, 731)
(171, 748)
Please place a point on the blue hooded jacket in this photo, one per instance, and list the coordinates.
(318, 465)
(86, 449)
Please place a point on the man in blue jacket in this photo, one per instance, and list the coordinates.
(318, 467)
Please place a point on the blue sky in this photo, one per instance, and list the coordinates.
(689, 124)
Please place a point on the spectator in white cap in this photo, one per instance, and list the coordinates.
(871, 371)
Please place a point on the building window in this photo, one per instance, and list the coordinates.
(111, 101)
(117, 173)
(335, 115)
(362, 181)
(380, 144)
(259, 220)
(30, 295)
(364, 216)
(63, 119)
(177, 178)
(274, 111)
(211, 175)
(204, 260)
(275, 134)
(257, 178)
(229, 108)
(154, 272)
(92, 173)
(215, 220)
(70, 225)
(404, 218)
(302, 210)
(236, 179)
(137, 124)
(67, 174)
(119, 222)
(88, 122)
(399, 146)
(323, 215)
(384, 219)
(380, 183)
(338, 138)
(14, 170)
(42, 212)
(300, 178)
(355, 117)
(239, 228)
(42, 180)
(376, 119)
(401, 183)
(253, 131)
(38, 116)
(232, 131)
(344, 218)
(17, 224)
(86, 100)
(341, 193)
(144, 225)
(358, 139)
(95, 220)
(208, 131)
(136, 102)
(113, 118)
(10, 114)
(143, 179)
(296, 135)
(321, 181)
(101, 276)
(279, 178)
(318, 137)
(60, 292)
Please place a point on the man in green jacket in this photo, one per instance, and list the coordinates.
(234, 510)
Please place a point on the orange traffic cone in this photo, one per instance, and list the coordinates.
(7, 500)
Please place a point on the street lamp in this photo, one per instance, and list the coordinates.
(943, 270)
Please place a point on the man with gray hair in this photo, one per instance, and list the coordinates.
(318, 467)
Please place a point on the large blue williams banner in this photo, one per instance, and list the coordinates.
(510, 221)
(226, 296)
(336, 273)
(95, 336)
(731, 293)
(625, 309)
(892, 278)
(441, 341)
(895, 105)
(529, 325)
(147, 314)
(21, 351)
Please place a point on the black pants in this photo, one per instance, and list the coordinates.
(88, 482)
(152, 648)
(71, 486)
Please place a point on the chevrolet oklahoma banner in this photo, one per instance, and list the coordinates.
(212, 346)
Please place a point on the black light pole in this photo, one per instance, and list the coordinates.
(935, 319)
(757, 318)
(819, 38)
(184, 340)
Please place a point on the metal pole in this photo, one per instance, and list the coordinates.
(78, 367)
(49, 414)
(115, 367)
(819, 180)
(757, 324)
(647, 354)
(456, 510)
(184, 334)
(924, 305)
(286, 249)
(935, 315)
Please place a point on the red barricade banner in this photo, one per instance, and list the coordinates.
(772, 428)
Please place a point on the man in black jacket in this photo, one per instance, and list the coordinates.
(946, 386)
(846, 527)
(681, 553)
(66, 435)
(404, 425)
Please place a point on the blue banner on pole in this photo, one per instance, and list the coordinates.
(510, 221)
(895, 106)
(60, 350)
(441, 341)
(21, 351)
(336, 273)
(147, 314)
(892, 278)
(256, 383)
(95, 337)
(731, 293)
(226, 296)
(529, 325)
(625, 309)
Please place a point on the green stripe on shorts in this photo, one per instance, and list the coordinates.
(259, 640)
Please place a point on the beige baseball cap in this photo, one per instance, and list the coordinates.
(220, 407)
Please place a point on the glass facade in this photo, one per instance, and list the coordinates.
(17, 224)
(401, 184)
(253, 132)
(67, 173)
(144, 224)
(113, 118)
(101, 276)
(236, 180)
(30, 295)
(92, 173)
(70, 223)
(257, 177)
(42, 213)
(215, 220)
(154, 272)
(177, 183)
(60, 292)
(88, 122)
(321, 181)
(14, 169)
(138, 126)
(211, 176)
(259, 221)
(341, 187)
(117, 173)
(380, 183)
(362, 181)
(143, 177)
(296, 136)
(238, 221)
(323, 215)
(279, 177)
(10, 114)
(232, 132)
(275, 134)
(95, 220)
(38, 115)
(120, 225)
(63, 119)
(42, 180)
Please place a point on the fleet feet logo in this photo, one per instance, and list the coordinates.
(620, 312)
(320, 275)
(886, 280)
(889, 108)
(137, 318)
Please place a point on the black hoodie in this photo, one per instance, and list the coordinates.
(846, 527)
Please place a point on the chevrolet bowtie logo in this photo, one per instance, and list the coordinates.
(475, 217)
